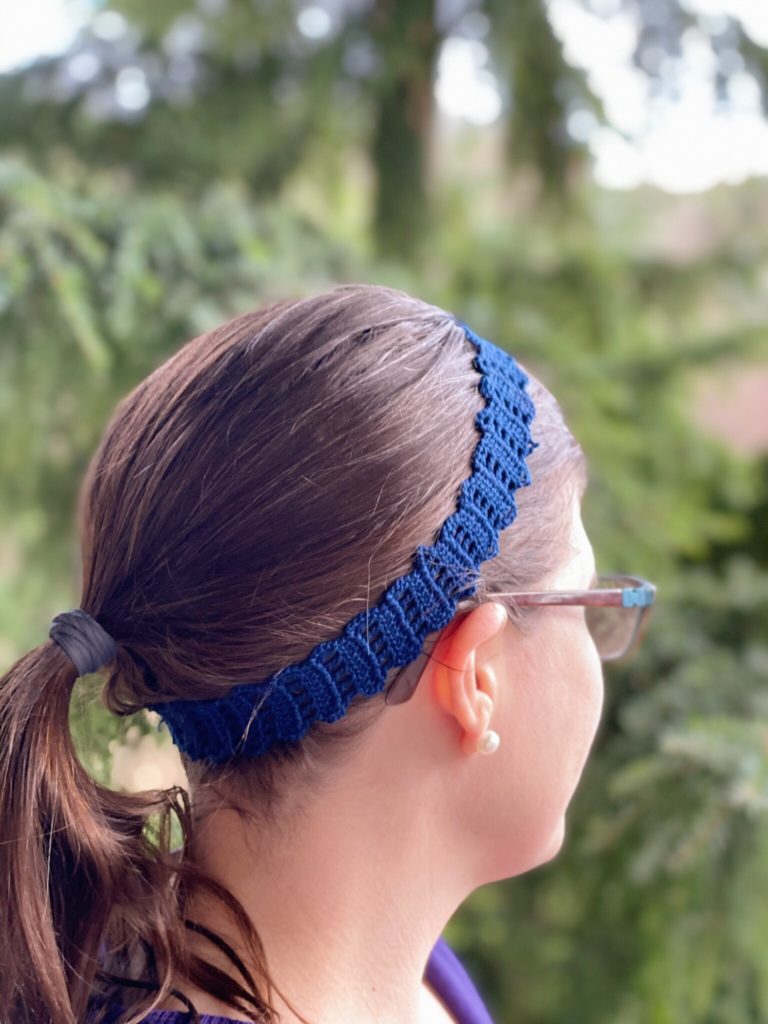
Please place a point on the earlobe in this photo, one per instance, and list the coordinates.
(470, 741)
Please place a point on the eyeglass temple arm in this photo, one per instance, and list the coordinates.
(625, 597)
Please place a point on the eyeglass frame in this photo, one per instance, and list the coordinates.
(642, 596)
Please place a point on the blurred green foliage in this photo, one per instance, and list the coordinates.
(238, 90)
(655, 909)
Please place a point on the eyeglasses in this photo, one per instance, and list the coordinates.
(617, 609)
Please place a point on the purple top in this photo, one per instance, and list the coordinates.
(448, 977)
(445, 973)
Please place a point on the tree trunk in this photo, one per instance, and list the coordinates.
(407, 47)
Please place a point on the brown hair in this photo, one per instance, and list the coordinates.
(251, 495)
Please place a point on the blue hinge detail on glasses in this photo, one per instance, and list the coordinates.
(637, 597)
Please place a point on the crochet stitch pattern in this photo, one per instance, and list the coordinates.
(251, 717)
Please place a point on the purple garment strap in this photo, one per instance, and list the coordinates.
(444, 972)
(449, 978)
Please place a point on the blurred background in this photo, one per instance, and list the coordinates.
(584, 181)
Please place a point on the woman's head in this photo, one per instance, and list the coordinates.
(253, 494)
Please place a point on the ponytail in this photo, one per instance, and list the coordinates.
(81, 869)
(70, 849)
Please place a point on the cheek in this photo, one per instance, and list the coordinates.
(550, 720)
(576, 692)
(589, 711)
(563, 681)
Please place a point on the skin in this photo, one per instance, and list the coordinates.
(350, 899)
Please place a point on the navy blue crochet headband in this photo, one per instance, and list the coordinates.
(251, 717)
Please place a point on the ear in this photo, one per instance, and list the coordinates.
(464, 681)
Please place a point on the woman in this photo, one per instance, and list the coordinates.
(310, 540)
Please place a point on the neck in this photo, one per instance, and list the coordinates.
(348, 902)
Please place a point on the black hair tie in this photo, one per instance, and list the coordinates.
(82, 638)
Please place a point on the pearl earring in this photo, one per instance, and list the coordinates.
(489, 742)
